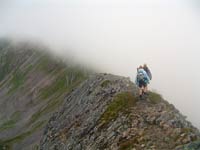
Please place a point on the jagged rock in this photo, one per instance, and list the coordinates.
(144, 125)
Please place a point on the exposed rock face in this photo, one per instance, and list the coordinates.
(81, 112)
(104, 113)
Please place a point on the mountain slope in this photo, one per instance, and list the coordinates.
(32, 86)
(104, 113)
(49, 104)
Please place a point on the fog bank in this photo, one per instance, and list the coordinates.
(118, 35)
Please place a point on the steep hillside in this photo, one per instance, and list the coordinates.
(32, 86)
(104, 113)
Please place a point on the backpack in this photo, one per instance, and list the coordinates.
(148, 72)
(140, 76)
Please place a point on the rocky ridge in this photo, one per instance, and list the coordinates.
(104, 113)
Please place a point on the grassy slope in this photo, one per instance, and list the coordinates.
(18, 76)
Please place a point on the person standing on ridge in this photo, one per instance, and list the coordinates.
(147, 71)
(142, 80)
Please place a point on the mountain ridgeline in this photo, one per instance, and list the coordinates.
(33, 85)
(49, 104)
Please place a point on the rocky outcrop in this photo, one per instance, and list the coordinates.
(105, 113)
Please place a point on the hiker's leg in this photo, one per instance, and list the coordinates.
(140, 90)
(145, 89)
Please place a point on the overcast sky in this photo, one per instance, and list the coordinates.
(118, 35)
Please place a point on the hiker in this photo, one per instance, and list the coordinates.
(147, 71)
(142, 80)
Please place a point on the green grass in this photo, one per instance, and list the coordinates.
(58, 85)
(187, 130)
(4, 146)
(5, 69)
(64, 82)
(16, 81)
(105, 83)
(127, 144)
(29, 68)
(6, 61)
(11, 122)
(2, 83)
(35, 147)
(18, 138)
(48, 65)
(155, 98)
(51, 106)
(121, 103)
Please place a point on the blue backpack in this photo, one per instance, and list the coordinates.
(141, 76)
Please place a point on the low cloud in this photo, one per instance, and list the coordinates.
(118, 35)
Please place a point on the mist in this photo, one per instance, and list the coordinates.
(116, 36)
